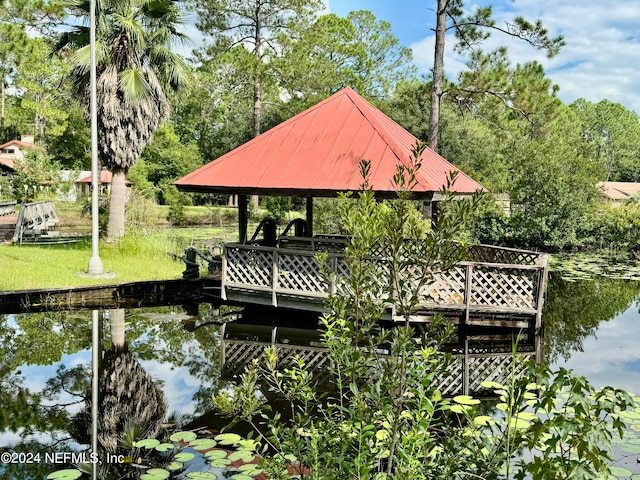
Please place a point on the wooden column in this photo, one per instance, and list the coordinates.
(310, 215)
(243, 218)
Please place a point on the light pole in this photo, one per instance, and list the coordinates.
(95, 263)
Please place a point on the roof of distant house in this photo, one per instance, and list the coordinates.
(21, 144)
(105, 177)
(318, 153)
(619, 190)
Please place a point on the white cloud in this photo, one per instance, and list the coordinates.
(599, 60)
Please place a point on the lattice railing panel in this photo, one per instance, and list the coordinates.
(299, 272)
(447, 287)
(482, 253)
(450, 383)
(493, 368)
(249, 267)
(238, 355)
(504, 287)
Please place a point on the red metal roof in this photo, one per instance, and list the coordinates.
(105, 177)
(318, 152)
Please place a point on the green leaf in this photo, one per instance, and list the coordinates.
(493, 385)
(483, 420)
(243, 455)
(155, 474)
(466, 400)
(215, 454)
(202, 444)
(184, 457)
(202, 476)
(241, 476)
(183, 437)
(68, 474)
(459, 408)
(173, 466)
(220, 463)
(147, 443)
(228, 438)
(164, 447)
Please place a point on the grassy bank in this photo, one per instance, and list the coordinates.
(136, 258)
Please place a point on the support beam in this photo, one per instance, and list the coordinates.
(310, 216)
(243, 218)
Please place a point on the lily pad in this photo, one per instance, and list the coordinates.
(220, 463)
(183, 437)
(202, 476)
(228, 438)
(242, 455)
(155, 474)
(147, 443)
(203, 444)
(184, 457)
(67, 474)
(173, 466)
(241, 476)
(215, 454)
(164, 447)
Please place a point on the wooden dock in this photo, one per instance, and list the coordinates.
(495, 287)
(124, 295)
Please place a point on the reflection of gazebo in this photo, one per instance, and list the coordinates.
(317, 154)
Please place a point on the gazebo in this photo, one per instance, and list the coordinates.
(317, 153)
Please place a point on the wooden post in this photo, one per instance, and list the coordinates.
(310, 216)
(274, 278)
(243, 218)
(468, 269)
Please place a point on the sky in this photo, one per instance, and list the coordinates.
(601, 58)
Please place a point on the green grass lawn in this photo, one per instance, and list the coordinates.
(47, 266)
(146, 253)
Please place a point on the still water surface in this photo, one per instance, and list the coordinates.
(590, 326)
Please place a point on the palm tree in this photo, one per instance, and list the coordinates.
(135, 66)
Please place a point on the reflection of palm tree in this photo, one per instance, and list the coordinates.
(128, 396)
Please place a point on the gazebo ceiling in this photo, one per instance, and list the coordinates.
(318, 153)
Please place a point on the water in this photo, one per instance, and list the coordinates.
(590, 327)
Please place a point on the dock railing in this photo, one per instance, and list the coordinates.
(494, 280)
(7, 207)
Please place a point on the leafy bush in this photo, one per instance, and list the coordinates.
(387, 418)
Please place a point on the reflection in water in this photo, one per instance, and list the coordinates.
(574, 310)
(477, 355)
(44, 361)
(44, 386)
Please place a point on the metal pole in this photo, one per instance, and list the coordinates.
(95, 263)
(95, 365)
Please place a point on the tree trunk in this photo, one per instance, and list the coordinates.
(438, 74)
(116, 325)
(257, 118)
(2, 105)
(117, 200)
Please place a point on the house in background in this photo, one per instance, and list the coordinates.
(83, 184)
(618, 193)
(15, 150)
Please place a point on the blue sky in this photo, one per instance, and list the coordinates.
(601, 59)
